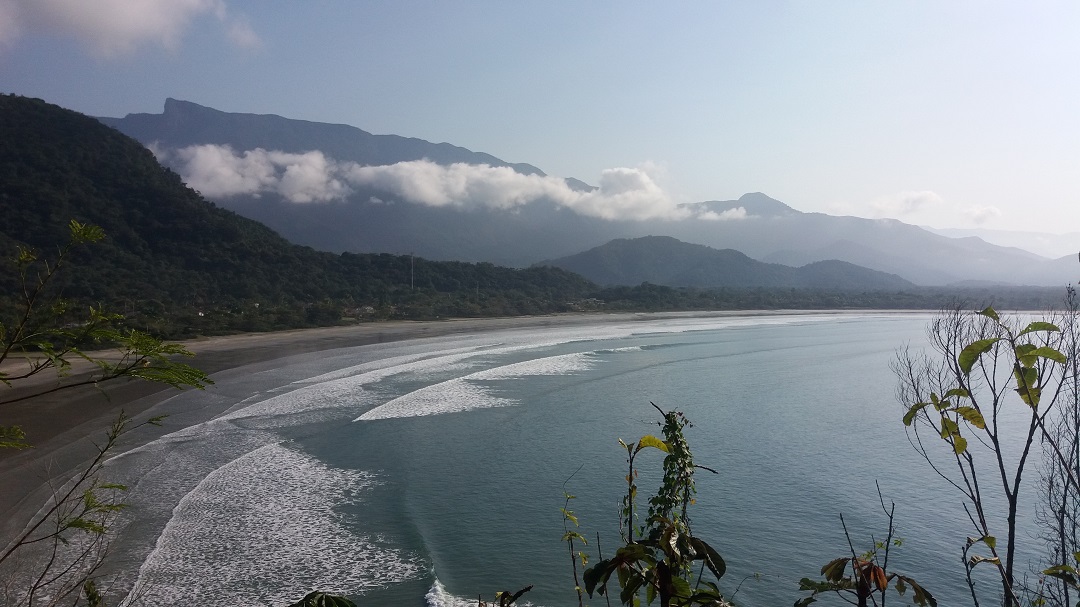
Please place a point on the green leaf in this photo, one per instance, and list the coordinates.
(1039, 326)
(909, 417)
(568, 515)
(651, 441)
(959, 444)
(12, 437)
(712, 558)
(85, 525)
(1050, 353)
(681, 586)
(948, 427)
(971, 353)
(975, 560)
(1025, 356)
(598, 575)
(989, 313)
(958, 393)
(630, 588)
(574, 535)
(1027, 385)
(972, 416)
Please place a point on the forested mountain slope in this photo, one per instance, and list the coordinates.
(666, 261)
(167, 249)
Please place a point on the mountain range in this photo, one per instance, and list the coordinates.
(173, 258)
(663, 260)
(379, 216)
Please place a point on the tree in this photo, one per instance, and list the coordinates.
(974, 410)
(58, 552)
(1058, 512)
(658, 557)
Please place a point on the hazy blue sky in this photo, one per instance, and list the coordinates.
(947, 113)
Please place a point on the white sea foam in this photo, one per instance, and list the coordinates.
(263, 528)
(549, 365)
(462, 394)
(343, 388)
(438, 596)
(450, 396)
(210, 456)
(400, 364)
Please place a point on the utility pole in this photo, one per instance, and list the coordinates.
(412, 274)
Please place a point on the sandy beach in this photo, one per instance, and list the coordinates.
(62, 426)
(57, 422)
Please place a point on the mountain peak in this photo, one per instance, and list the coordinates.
(756, 204)
(184, 123)
(177, 105)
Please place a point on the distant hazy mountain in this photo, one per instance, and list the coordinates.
(170, 254)
(184, 123)
(1053, 246)
(374, 219)
(780, 234)
(666, 261)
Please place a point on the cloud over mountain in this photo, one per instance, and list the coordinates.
(220, 171)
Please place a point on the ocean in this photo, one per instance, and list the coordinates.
(431, 472)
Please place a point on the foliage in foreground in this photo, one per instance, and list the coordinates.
(977, 411)
(658, 557)
(62, 547)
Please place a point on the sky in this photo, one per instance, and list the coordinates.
(956, 114)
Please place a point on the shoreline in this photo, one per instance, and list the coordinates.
(62, 425)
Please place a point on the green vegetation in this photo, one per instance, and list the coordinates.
(176, 265)
(650, 297)
(64, 544)
(977, 411)
(658, 557)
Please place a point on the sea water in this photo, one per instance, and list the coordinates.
(432, 472)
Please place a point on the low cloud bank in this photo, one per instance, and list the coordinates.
(219, 171)
(921, 207)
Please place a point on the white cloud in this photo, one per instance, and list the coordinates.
(219, 171)
(9, 23)
(981, 214)
(623, 193)
(117, 27)
(626, 193)
(923, 207)
(729, 215)
(241, 35)
(308, 177)
(905, 203)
